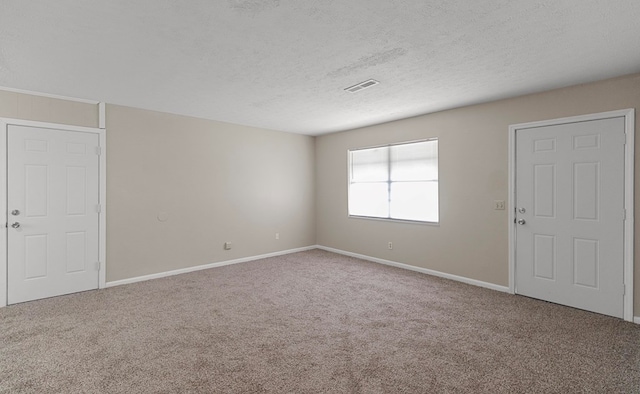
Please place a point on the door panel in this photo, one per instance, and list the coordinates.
(570, 192)
(36, 190)
(586, 190)
(35, 256)
(545, 190)
(544, 256)
(586, 260)
(53, 182)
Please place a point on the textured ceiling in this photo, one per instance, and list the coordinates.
(283, 64)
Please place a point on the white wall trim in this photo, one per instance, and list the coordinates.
(427, 271)
(205, 266)
(102, 115)
(53, 96)
(636, 319)
(3, 215)
(629, 115)
(103, 209)
(4, 124)
(629, 236)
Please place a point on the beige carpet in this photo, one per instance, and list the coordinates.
(307, 323)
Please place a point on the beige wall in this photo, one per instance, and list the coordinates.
(44, 109)
(219, 182)
(472, 238)
(215, 181)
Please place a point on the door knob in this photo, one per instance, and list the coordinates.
(521, 221)
(15, 225)
(15, 212)
(522, 210)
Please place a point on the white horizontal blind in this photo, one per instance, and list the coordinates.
(395, 182)
(370, 165)
(368, 193)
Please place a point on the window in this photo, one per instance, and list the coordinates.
(395, 181)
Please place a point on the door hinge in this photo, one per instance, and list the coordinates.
(624, 289)
(98, 150)
(624, 214)
(98, 265)
(98, 208)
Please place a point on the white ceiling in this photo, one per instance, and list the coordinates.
(283, 64)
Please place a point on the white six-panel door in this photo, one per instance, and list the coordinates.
(570, 214)
(53, 219)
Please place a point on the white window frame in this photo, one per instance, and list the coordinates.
(390, 219)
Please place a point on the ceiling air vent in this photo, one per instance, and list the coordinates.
(362, 85)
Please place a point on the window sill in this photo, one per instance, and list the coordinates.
(404, 221)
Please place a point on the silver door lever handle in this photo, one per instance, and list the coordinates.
(521, 221)
(15, 225)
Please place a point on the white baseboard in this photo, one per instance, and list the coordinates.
(204, 267)
(504, 289)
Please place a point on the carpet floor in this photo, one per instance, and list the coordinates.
(311, 322)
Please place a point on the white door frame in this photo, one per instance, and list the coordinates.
(629, 115)
(102, 231)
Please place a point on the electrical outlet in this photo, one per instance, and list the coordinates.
(277, 235)
(390, 245)
(227, 246)
(498, 204)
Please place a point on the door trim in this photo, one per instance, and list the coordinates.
(102, 164)
(629, 129)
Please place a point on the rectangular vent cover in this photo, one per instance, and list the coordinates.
(362, 85)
